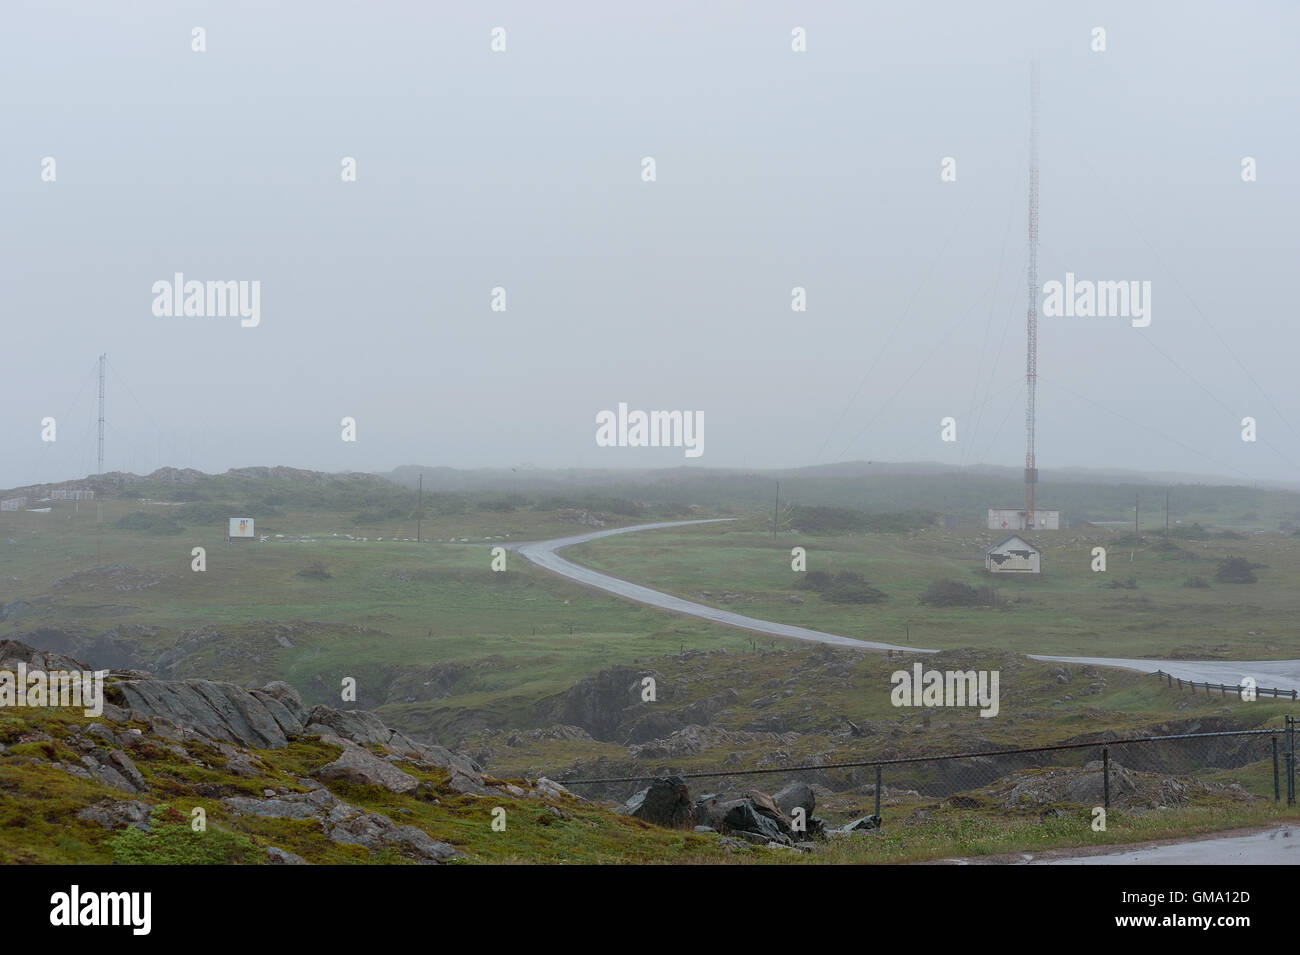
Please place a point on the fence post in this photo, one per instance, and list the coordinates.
(877, 794)
(1290, 762)
(1105, 774)
(1277, 792)
(1224, 689)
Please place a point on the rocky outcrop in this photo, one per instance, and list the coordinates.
(218, 710)
(603, 703)
(112, 814)
(199, 740)
(344, 823)
(1086, 787)
(366, 729)
(358, 765)
(12, 653)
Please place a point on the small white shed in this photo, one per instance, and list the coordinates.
(1012, 555)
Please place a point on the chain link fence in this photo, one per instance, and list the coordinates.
(1111, 771)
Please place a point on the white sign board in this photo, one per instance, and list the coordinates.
(241, 527)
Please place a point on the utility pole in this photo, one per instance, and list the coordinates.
(101, 413)
(99, 504)
(776, 507)
(419, 510)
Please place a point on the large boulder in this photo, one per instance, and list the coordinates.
(750, 812)
(665, 802)
(796, 795)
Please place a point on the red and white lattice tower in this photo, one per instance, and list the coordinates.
(1031, 349)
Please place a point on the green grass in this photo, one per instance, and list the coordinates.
(953, 833)
(1068, 610)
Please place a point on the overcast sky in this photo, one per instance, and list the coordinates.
(523, 169)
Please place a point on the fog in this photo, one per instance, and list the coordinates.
(523, 170)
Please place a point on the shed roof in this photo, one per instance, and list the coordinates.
(1007, 539)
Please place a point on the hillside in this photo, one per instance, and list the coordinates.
(276, 783)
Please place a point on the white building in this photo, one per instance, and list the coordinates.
(75, 495)
(1012, 555)
(1013, 519)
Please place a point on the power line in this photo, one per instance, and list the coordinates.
(1195, 307)
(939, 343)
(897, 325)
(988, 321)
(1011, 407)
(1154, 431)
(1194, 380)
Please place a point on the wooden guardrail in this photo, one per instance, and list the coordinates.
(1223, 689)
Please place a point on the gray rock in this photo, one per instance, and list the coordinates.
(750, 812)
(310, 805)
(358, 765)
(425, 845)
(551, 788)
(797, 794)
(281, 857)
(12, 653)
(373, 831)
(220, 711)
(114, 814)
(365, 728)
(280, 698)
(104, 733)
(359, 726)
(665, 802)
(741, 815)
(108, 775)
(122, 762)
(166, 729)
(862, 824)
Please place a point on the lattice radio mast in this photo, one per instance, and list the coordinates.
(1031, 350)
(101, 413)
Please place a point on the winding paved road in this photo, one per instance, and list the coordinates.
(1283, 674)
